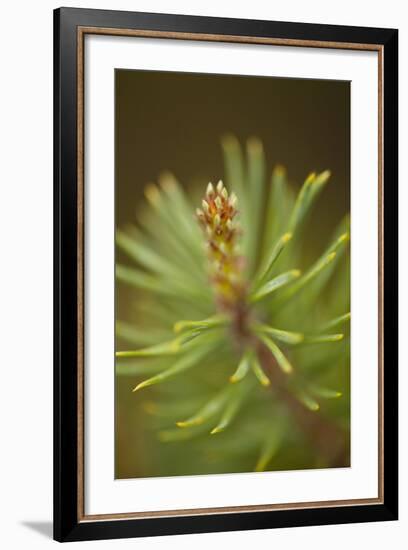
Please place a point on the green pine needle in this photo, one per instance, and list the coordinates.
(281, 360)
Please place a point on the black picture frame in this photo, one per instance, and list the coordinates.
(68, 525)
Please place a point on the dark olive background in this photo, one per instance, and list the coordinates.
(174, 121)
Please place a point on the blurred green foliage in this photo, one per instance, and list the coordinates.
(273, 395)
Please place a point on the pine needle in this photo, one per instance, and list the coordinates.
(336, 322)
(207, 411)
(232, 408)
(274, 284)
(259, 373)
(187, 361)
(276, 251)
(282, 361)
(243, 368)
(283, 335)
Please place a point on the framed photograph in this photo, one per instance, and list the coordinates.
(225, 274)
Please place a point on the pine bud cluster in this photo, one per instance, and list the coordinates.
(217, 218)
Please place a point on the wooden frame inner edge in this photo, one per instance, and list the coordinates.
(81, 32)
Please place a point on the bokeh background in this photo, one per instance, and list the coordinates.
(174, 121)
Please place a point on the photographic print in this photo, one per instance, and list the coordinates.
(225, 274)
(232, 262)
